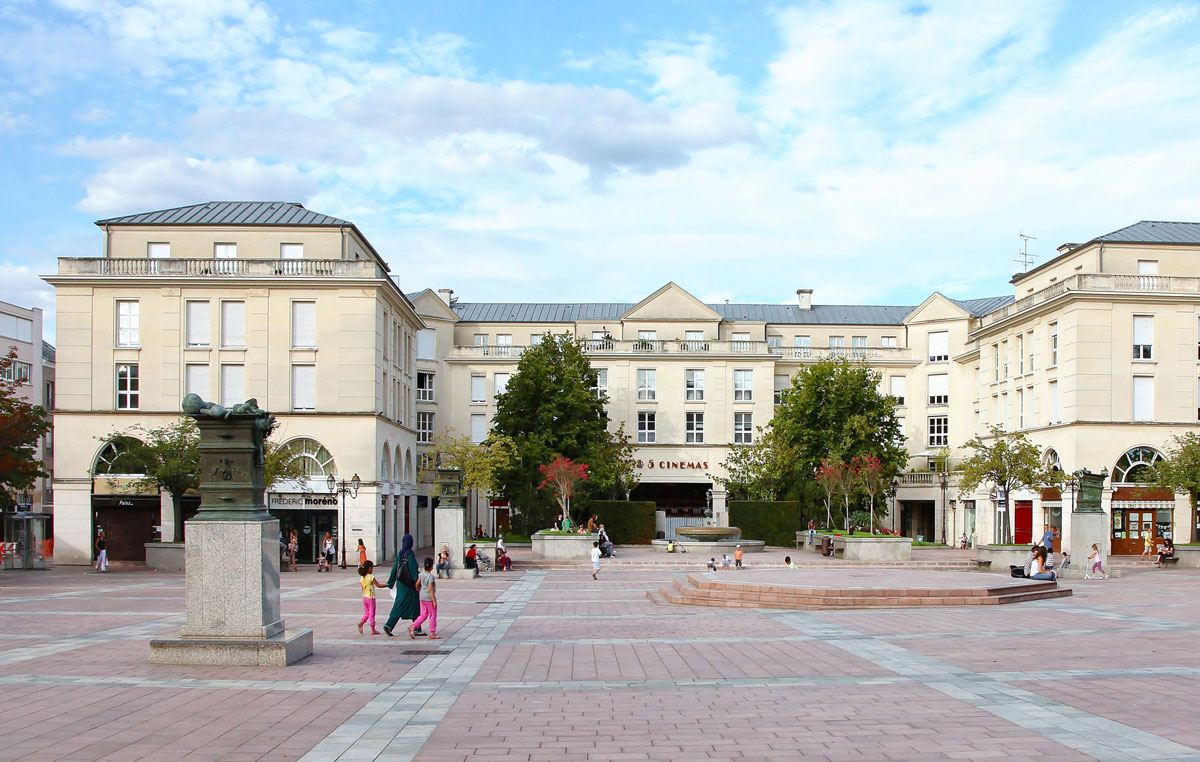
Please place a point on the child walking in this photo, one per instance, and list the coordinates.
(1095, 564)
(427, 593)
(369, 583)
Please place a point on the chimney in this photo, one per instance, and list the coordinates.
(804, 297)
(446, 294)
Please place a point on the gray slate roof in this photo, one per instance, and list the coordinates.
(978, 307)
(264, 213)
(48, 352)
(1155, 232)
(820, 314)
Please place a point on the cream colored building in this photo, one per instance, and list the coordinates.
(1092, 357)
(232, 301)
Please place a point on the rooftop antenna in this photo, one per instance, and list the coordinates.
(1024, 258)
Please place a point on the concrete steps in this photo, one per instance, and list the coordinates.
(696, 590)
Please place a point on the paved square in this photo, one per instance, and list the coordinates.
(549, 665)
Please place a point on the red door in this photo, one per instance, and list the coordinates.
(1023, 522)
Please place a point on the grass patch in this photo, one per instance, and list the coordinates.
(508, 539)
(571, 533)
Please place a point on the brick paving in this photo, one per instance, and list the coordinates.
(548, 665)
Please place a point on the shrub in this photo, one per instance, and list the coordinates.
(775, 523)
(628, 522)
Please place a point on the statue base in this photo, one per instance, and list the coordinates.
(1088, 527)
(233, 613)
(288, 647)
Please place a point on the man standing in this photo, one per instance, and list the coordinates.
(812, 532)
(1048, 542)
(595, 559)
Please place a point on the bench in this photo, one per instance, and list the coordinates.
(1169, 562)
(985, 564)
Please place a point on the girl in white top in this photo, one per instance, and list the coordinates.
(1095, 564)
(595, 559)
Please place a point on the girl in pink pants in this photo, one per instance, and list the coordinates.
(369, 583)
(427, 593)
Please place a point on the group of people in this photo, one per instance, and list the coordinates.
(726, 560)
(1148, 549)
(416, 593)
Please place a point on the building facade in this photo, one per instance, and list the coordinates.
(298, 310)
(34, 368)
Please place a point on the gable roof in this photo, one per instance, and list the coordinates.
(1148, 231)
(980, 307)
(257, 213)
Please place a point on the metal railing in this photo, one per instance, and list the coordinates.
(218, 268)
(601, 347)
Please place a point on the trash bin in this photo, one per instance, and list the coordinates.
(826, 545)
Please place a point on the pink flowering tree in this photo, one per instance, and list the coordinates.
(561, 478)
(830, 476)
(871, 478)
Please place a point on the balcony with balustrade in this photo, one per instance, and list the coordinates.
(99, 267)
(686, 348)
(1099, 283)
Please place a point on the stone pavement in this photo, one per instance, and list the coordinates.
(549, 665)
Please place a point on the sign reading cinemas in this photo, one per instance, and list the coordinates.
(674, 465)
(308, 501)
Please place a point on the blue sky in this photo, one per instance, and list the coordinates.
(536, 151)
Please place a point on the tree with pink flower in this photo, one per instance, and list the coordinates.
(561, 478)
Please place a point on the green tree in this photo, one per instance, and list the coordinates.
(1179, 470)
(834, 409)
(754, 471)
(549, 408)
(614, 472)
(1006, 462)
(168, 459)
(22, 426)
(479, 462)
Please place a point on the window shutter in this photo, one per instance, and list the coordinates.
(1143, 329)
(939, 385)
(197, 324)
(233, 324)
(233, 384)
(478, 388)
(478, 428)
(304, 324)
(196, 381)
(158, 250)
(939, 345)
(291, 251)
(897, 389)
(501, 383)
(1143, 398)
(425, 343)
(304, 387)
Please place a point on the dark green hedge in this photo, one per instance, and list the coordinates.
(775, 523)
(628, 522)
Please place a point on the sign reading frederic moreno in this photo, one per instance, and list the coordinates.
(301, 501)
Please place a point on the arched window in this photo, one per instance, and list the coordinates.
(313, 456)
(1051, 460)
(408, 467)
(112, 460)
(385, 464)
(1134, 466)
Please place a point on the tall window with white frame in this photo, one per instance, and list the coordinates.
(1143, 337)
(128, 387)
(128, 323)
(1004, 358)
(1020, 354)
(781, 383)
(600, 388)
(196, 323)
(743, 428)
(774, 344)
(743, 385)
(939, 431)
(939, 346)
(478, 388)
(888, 342)
(304, 325)
(837, 346)
(225, 258)
(803, 346)
(424, 427)
(304, 388)
(500, 384)
(1020, 408)
(645, 428)
(896, 389)
(503, 344)
(233, 324)
(995, 362)
(939, 389)
(478, 427)
(425, 387)
(859, 344)
(694, 428)
(1029, 347)
(647, 385)
(693, 385)
(1052, 393)
(1143, 398)
(741, 341)
(1053, 345)
(481, 341)
(195, 380)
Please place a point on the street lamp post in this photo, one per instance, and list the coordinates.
(944, 482)
(343, 489)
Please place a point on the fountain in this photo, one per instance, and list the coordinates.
(709, 534)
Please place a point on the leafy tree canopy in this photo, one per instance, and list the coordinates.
(478, 462)
(22, 426)
(1005, 461)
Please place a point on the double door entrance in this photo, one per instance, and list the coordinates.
(1131, 527)
(310, 527)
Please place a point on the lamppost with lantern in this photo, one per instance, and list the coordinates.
(343, 488)
(944, 482)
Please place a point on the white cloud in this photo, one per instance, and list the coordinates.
(133, 185)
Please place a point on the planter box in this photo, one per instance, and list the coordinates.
(165, 556)
(997, 558)
(570, 546)
(871, 548)
(1188, 555)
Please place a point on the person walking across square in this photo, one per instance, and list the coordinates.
(427, 592)
(369, 583)
(595, 559)
(404, 579)
(101, 553)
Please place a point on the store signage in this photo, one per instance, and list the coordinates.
(677, 465)
(304, 501)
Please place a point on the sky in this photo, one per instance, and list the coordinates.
(874, 152)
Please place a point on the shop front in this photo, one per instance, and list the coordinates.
(128, 522)
(311, 515)
(1138, 513)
